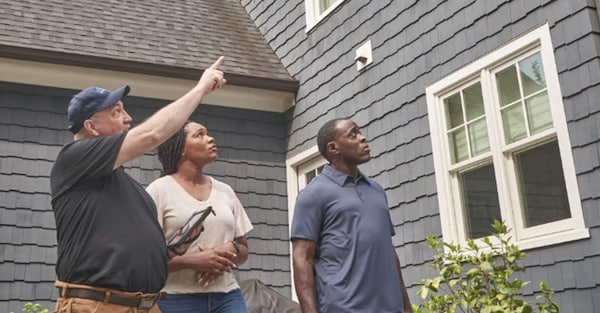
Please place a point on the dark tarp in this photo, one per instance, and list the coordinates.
(263, 299)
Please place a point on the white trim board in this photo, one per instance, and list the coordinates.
(291, 168)
(142, 85)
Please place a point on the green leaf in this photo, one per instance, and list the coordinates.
(486, 266)
(424, 292)
(472, 281)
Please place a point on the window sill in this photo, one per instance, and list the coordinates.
(553, 239)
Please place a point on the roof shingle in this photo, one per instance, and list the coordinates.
(187, 34)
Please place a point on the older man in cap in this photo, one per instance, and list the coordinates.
(112, 255)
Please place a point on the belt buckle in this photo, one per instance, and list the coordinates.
(146, 303)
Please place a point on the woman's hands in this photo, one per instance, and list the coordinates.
(226, 250)
(217, 261)
(209, 264)
(204, 260)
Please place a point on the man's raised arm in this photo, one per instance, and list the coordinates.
(166, 121)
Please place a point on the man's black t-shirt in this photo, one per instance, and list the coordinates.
(107, 228)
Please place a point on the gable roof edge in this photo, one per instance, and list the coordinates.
(64, 58)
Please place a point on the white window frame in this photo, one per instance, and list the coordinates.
(483, 70)
(296, 167)
(312, 16)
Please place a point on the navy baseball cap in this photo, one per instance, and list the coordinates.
(89, 101)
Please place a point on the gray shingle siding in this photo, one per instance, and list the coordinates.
(32, 131)
(416, 43)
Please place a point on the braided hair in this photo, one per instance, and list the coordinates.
(169, 152)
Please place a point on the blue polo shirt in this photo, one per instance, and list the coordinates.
(354, 266)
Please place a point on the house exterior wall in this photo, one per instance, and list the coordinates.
(416, 43)
(32, 131)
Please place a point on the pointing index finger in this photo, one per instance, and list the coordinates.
(217, 63)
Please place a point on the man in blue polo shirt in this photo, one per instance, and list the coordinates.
(343, 257)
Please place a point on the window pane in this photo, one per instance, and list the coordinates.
(508, 86)
(532, 74)
(454, 114)
(538, 113)
(313, 173)
(480, 198)
(473, 101)
(479, 137)
(458, 145)
(325, 4)
(542, 185)
(514, 123)
(309, 176)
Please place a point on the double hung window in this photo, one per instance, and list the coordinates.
(501, 148)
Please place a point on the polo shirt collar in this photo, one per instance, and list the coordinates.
(341, 178)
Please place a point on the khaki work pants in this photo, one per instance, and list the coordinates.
(80, 305)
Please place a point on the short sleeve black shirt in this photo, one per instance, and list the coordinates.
(107, 228)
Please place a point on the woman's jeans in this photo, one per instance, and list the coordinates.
(216, 302)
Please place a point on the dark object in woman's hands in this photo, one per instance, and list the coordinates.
(190, 231)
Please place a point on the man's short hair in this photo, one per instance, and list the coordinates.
(326, 134)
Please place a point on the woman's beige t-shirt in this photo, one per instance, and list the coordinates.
(174, 206)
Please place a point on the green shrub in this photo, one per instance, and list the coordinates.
(472, 280)
(33, 308)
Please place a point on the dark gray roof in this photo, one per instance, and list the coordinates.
(170, 38)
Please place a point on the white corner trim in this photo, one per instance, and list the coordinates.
(142, 85)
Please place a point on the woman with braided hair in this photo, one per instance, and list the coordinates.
(200, 280)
